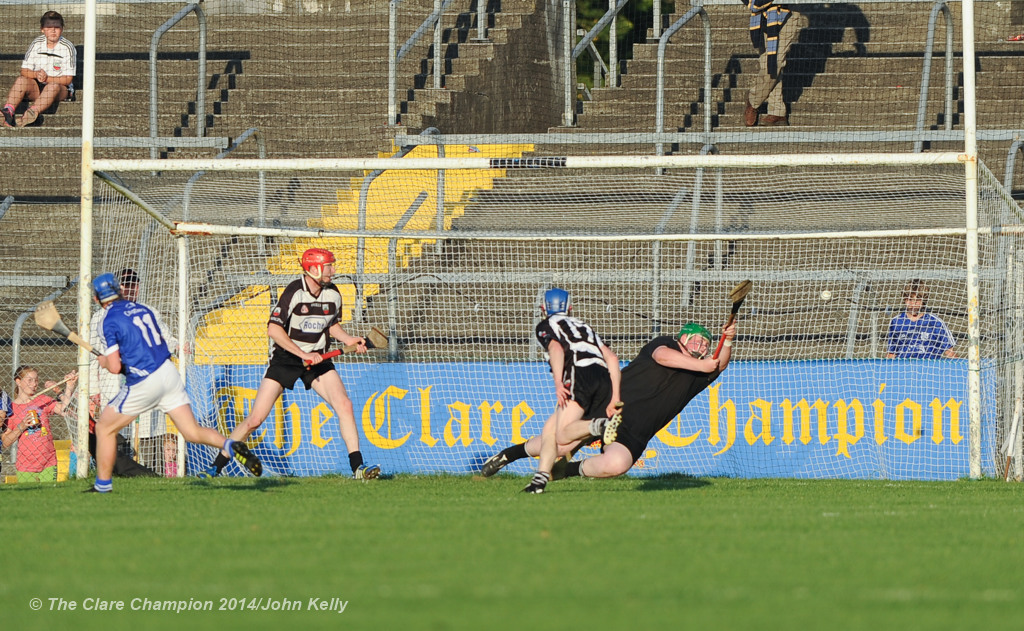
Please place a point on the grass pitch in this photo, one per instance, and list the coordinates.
(423, 552)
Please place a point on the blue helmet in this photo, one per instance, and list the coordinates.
(556, 301)
(106, 288)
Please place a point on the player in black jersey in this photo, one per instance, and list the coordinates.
(586, 374)
(664, 377)
(308, 311)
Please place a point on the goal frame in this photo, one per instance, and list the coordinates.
(183, 229)
(968, 157)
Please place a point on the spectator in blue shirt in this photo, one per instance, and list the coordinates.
(917, 334)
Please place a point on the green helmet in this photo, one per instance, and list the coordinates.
(692, 328)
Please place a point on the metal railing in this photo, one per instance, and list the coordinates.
(153, 142)
(364, 194)
(922, 103)
(1011, 161)
(201, 83)
(433, 20)
(23, 317)
(659, 102)
(938, 6)
(481, 20)
(570, 53)
(126, 142)
(6, 205)
(602, 74)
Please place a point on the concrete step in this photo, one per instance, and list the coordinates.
(896, 96)
(377, 67)
(836, 77)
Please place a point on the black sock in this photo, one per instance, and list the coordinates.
(516, 452)
(355, 460)
(573, 469)
(221, 461)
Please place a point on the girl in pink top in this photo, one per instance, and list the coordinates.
(29, 426)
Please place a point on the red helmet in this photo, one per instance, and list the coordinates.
(316, 258)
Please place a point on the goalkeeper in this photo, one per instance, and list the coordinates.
(665, 376)
(308, 311)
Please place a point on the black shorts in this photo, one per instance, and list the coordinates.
(591, 388)
(637, 429)
(70, 87)
(286, 368)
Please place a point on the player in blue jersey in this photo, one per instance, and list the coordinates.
(917, 334)
(136, 348)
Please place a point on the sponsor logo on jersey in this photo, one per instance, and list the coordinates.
(312, 326)
(303, 309)
(277, 311)
(327, 309)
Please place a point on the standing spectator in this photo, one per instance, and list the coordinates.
(170, 456)
(47, 72)
(308, 312)
(917, 334)
(28, 426)
(773, 30)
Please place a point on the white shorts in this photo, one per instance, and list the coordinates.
(162, 389)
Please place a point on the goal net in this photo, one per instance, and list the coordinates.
(452, 264)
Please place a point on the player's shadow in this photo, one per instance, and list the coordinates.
(258, 484)
(671, 482)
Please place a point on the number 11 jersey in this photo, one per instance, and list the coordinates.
(132, 329)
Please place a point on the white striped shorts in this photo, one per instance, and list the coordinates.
(163, 390)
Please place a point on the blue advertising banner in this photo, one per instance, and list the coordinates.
(798, 419)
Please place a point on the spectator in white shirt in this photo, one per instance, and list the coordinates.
(46, 75)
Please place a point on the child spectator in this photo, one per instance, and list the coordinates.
(28, 426)
(46, 75)
(917, 334)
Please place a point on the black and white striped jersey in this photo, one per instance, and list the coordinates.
(581, 343)
(306, 317)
